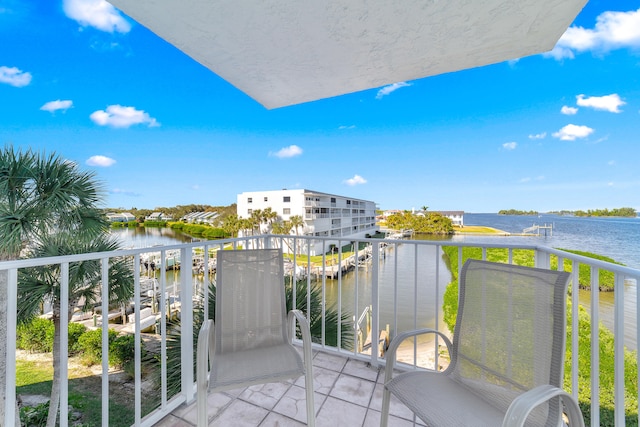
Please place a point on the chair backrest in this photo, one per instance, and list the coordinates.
(510, 333)
(250, 300)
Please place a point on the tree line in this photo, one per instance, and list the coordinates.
(516, 212)
(427, 223)
(622, 212)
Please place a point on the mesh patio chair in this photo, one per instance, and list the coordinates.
(507, 354)
(250, 341)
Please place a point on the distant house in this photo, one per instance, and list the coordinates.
(200, 217)
(158, 216)
(120, 217)
(456, 217)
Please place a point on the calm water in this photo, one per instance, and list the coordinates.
(617, 238)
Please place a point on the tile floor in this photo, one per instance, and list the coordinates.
(348, 393)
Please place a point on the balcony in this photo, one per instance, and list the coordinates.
(395, 285)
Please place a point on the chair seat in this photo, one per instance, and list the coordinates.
(240, 369)
(454, 404)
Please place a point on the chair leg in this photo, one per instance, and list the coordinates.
(384, 414)
(311, 409)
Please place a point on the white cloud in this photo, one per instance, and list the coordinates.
(343, 127)
(542, 135)
(357, 179)
(14, 76)
(613, 30)
(611, 163)
(569, 111)
(53, 106)
(118, 116)
(572, 132)
(609, 103)
(510, 145)
(102, 161)
(529, 179)
(286, 152)
(391, 88)
(96, 13)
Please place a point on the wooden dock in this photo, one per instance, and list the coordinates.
(535, 230)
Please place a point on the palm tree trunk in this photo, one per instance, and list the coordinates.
(54, 403)
(4, 296)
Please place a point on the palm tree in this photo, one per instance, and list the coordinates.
(231, 225)
(256, 221)
(40, 194)
(269, 216)
(296, 222)
(39, 284)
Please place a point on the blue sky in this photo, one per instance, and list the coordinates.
(545, 132)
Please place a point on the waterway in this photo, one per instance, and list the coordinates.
(617, 238)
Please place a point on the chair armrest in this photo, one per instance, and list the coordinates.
(306, 334)
(522, 405)
(390, 355)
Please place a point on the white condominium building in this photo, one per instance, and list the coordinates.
(324, 215)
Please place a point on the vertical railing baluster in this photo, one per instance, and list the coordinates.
(104, 325)
(163, 327)
(618, 353)
(339, 339)
(137, 346)
(375, 303)
(595, 348)
(186, 323)
(437, 306)
(64, 344)
(415, 303)
(575, 327)
(10, 357)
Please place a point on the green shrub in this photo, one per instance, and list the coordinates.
(90, 344)
(75, 332)
(122, 353)
(213, 233)
(155, 223)
(34, 415)
(194, 229)
(36, 335)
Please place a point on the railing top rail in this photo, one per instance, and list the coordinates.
(32, 262)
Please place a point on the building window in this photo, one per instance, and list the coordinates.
(333, 200)
(250, 200)
(266, 199)
(286, 199)
(249, 211)
(348, 202)
(286, 211)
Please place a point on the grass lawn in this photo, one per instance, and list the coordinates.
(34, 374)
(477, 229)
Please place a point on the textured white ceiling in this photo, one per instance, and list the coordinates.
(284, 52)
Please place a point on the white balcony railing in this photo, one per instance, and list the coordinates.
(398, 283)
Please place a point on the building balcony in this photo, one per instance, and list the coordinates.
(389, 286)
